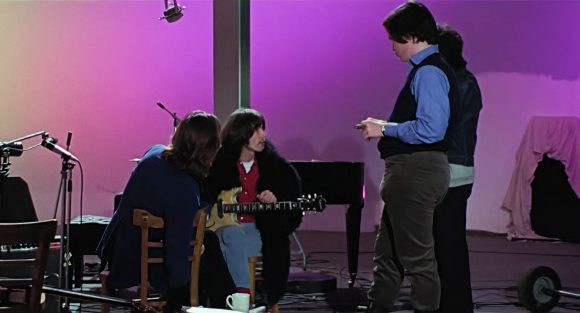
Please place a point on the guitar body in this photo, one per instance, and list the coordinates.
(216, 218)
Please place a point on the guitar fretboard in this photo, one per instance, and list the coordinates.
(254, 207)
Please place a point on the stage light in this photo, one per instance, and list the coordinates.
(173, 12)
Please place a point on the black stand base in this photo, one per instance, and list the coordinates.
(347, 299)
(306, 282)
(309, 282)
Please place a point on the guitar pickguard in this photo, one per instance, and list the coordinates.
(216, 219)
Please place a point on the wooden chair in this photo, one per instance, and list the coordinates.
(146, 221)
(36, 233)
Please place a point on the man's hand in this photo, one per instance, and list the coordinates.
(266, 196)
(372, 128)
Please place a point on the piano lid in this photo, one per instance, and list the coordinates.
(338, 182)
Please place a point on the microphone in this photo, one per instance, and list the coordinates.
(176, 120)
(172, 14)
(68, 140)
(50, 144)
(159, 104)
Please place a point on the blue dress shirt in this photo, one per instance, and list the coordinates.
(430, 87)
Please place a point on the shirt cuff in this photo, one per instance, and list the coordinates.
(391, 130)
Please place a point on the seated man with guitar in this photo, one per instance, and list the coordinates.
(247, 160)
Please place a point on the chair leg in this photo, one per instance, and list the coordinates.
(104, 291)
(252, 262)
(275, 308)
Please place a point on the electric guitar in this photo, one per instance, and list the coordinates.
(224, 211)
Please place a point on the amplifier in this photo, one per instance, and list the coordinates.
(52, 265)
(51, 274)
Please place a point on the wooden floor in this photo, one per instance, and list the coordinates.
(497, 265)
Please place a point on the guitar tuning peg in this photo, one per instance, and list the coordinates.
(309, 196)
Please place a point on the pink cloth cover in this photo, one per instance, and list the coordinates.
(559, 138)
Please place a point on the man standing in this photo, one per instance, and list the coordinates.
(246, 159)
(412, 143)
(450, 215)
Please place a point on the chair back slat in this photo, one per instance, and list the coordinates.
(155, 244)
(15, 282)
(18, 262)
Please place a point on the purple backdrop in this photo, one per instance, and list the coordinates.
(318, 67)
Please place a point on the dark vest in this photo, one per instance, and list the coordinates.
(406, 110)
(462, 144)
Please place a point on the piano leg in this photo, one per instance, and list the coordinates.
(353, 219)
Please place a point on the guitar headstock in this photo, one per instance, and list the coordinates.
(312, 203)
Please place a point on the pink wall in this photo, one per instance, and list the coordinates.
(96, 68)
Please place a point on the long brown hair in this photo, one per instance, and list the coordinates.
(240, 127)
(195, 143)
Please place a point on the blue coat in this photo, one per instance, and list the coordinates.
(165, 191)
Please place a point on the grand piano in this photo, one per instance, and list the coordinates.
(338, 183)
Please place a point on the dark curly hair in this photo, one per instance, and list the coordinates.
(240, 127)
(195, 143)
(411, 19)
(451, 47)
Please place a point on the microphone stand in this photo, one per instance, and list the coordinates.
(40, 133)
(66, 209)
(4, 156)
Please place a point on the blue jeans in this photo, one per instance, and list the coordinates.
(238, 244)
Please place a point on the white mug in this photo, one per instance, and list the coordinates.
(239, 302)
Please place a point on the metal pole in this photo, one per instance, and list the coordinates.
(66, 205)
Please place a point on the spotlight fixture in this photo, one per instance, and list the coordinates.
(172, 13)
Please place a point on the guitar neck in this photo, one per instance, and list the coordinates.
(255, 207)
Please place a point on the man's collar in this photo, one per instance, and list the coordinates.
(423, 54)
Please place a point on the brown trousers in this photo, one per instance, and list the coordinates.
(413, 184)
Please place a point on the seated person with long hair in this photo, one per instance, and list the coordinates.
(167, 183)
(248, 160)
